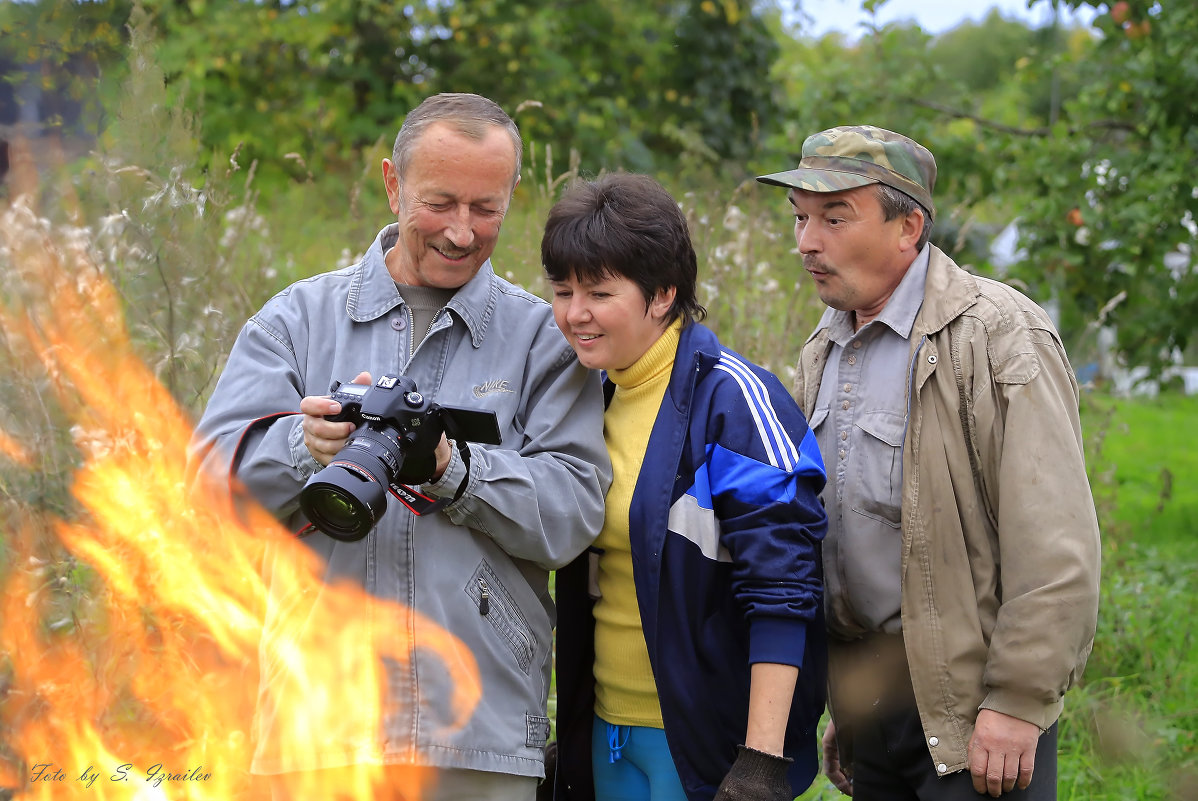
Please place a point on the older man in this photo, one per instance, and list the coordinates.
(962, 555)
(424, 303)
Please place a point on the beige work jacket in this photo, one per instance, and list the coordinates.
(1001, 547)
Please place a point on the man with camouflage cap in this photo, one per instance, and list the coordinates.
(962, 555)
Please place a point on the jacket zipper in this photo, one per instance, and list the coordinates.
(484, 597)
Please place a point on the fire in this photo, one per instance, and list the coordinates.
(133, 623)
(12, 449)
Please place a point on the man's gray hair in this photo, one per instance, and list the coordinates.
(470, 115)
(896, 204)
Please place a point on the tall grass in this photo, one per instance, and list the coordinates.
(1131, 729)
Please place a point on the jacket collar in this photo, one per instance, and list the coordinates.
(372, 293)
(698, 352)
(948, 291)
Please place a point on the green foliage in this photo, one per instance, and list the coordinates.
(1122, 155)
(296, 86)
(59, 48)
(302, 87)
(622, 83)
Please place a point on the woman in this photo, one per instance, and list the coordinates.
(690, 639)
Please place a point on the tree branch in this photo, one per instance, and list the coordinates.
(1112, 125)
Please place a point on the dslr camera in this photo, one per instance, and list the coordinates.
(394, 444)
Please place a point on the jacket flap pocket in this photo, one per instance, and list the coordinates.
(886, 426)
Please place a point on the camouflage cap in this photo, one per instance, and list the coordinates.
(858, 155)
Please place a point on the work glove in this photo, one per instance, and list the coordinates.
(756, 776)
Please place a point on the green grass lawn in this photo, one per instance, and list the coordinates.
(1143, 466)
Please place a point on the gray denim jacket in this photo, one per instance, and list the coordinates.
(530, 505)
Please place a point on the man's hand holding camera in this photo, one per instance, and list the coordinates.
(326, 438)
(378, 437)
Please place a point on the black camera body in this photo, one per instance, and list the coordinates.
(394, 444)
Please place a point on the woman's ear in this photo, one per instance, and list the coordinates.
(659, 307)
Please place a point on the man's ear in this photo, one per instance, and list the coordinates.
(912, 229)
(391, 184)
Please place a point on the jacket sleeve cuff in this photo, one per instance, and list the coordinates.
(301, 457)
(778, 640)
(1021, 706)
(456, 474)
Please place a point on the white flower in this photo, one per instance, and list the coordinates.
(734, 218)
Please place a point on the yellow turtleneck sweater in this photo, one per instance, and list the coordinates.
(625, 693)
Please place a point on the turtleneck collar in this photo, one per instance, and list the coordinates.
(658, 359)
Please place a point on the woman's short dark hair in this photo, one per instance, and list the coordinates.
(627, 225)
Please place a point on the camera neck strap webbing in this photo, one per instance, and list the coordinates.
(418, 502)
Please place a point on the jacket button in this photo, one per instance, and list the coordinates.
(942, 768)
(931, 358)
(398, 323)
(933, 741)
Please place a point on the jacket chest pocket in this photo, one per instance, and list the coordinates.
(879, 491)
(496, 605)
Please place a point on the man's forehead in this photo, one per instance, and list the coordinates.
(444, 144)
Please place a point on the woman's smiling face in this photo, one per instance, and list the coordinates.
(608, 322)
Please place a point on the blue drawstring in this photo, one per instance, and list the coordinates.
(613, 741)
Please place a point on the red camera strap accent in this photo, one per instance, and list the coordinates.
(418, 502)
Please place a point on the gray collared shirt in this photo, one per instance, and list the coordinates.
(860, 420)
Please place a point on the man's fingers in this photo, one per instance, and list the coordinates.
(1026, 766)
(832, 768)
(834, 772)
(836, 775)
(994, 775)
(1010, 773)
(977, 768)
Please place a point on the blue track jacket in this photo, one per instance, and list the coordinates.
(726, 526)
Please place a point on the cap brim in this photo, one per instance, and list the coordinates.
(817, 180)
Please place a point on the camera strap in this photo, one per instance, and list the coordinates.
(418, 502)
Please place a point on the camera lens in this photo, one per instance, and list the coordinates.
(347, 498)
(343, 501)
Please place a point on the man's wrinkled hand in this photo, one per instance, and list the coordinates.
(756, 776)
(1002, 753)
(832, 767)
(325, 438)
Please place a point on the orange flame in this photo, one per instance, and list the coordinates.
(12, 449)
(134, 627)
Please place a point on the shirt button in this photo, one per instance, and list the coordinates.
(842, 453)
(857, 344)
(848, 387)
(844, 435)
(942, 768)
(398, 323)
(844, 405)
(852, 359)
(933, 741)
